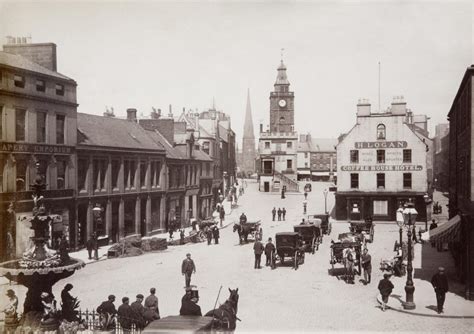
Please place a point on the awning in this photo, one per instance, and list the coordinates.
(304, 172)
(448, 232)
(320, 173)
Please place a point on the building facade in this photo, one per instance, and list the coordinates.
(441, 158)
(381, 165)
(461, 182)
(277, 147)
(38, 110)
(317, 158)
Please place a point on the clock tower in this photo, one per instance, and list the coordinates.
(282, 104)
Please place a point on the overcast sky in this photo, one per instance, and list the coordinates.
(146, 54)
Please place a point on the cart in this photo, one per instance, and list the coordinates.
(365, 227)
(248, 229)
(289, 244)
(346, 240)
(311, 236)
(325, 223)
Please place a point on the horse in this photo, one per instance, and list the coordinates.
(242, 231)
(225, 316)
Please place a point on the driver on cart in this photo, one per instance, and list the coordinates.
(243, 218)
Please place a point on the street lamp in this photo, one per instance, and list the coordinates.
(409, 217)
(325, 192)
(400, 223)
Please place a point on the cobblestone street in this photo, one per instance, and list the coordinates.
(283, 299)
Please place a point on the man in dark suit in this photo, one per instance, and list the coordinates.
(189, 306)
(440, 285)
(187, 269)
(107, 306)
(269, 250)
(125, 315)
(138, 312)
(258, 250)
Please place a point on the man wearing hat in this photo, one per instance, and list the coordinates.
(440, 285)
(125, 315)
(269, 250)
(189, 306)
(385, 287)
(187, 269)
(152, 311)
(138, 312)
(107, 306)
(68, 302)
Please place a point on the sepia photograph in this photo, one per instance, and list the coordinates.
(213, 166)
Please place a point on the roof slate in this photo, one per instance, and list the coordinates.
(20, 62)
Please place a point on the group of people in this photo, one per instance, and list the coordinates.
(259, 249)
(212, 232)
(137, 314)
(281, 213)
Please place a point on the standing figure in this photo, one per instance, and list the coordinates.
(95, 245)
(283, 212)
(222, 214)
(181, 237)
(152, 312)
(415, 240)
(279, 214)
(274, 211)
(189, 304)
(420, 231)
(215, 233)
(138, 312)
(125, 315)
(305, 195)
(187, 269)
(208, 233)
(366, 261)
(11, 307)
(106, 311)
(440, 285)
(349, 264)
(269, 250)
(258, 250)
(90, 247)
(68, 303)
(64, 249)
(385, 287)
(305, 204)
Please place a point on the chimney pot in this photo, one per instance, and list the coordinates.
(132, 114)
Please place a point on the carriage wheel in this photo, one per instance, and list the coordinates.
(313, 246)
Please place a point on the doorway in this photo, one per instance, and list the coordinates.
(266, 186)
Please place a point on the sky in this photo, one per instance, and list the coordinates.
(152, 54)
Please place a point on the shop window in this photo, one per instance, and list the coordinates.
(42, 169)
(380, 156)
(115, 173)
(380, 181)
(61, 173)
(40, 85)
(21, 169)
(380, 131)
(406, 155)
(289, 164)
(354, 181)
(407, 180)
(20, 124)
(82, 167)
(354, 156)
(380, 208)
(60, 122)
(19, 81)
(41, 127)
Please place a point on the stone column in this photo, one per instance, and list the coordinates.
(108, 219)
(90, 221)
(137, 215)
(121, 219)
(163, 211)
(148, 215)
(195, 207)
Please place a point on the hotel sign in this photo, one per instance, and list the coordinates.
(381, 168)
(381, 144)
(36, 148)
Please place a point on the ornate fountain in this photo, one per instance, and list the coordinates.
(40, 267)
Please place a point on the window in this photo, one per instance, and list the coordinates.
(380, 208)
(2, 167)
(205, 147)
(40, 85)
(61, 173)
(143, 174)
(115, 173)
(289, 164)
(380, 181)
(60, 120)
(282, 119)
(289, 144)
(406, 155)
(306, 155)
(267, 144)
(99, 172)
(59, 89)
(354, 156)
(407, 180)
(354, 181)
(19, 81)
(380, 156)
(129, 173)
(41, 127)
(208, 169)
(380, 131)
(20, 124)
(1, 122)
(82, 167)
(21, 168)
(42, 169)
(305, 165)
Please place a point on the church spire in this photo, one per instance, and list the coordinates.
(248, 125)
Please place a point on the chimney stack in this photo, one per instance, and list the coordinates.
(170, 114)
(363, 108)
(109, 112)
(261, 127)
(132, 114)
(155, 113)
(43, 54)
(399, 106)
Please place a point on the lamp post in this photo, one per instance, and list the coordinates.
(400, 222)
(325, 192)
(409, 216)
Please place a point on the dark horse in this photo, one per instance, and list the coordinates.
(243, 232)
(225, 316)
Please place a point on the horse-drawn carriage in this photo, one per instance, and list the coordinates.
(203, 225)
(347, 242)
(311, 236)
(365, 227)
(248, 228)
(325, 223)
(289, 244)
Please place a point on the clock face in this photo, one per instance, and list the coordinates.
(282, 103)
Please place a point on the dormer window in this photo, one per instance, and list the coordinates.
(380, 131)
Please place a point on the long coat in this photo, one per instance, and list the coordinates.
(188, 266)
(126, 315)
(190, 308)
(258, 248)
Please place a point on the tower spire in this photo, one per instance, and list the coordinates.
(248, 140)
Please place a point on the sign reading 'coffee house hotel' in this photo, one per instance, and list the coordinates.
(381, 144)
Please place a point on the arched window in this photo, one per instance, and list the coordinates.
(380, 131)
(282, 119)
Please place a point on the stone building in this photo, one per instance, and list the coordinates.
(382, 163)
(37, 138)
(316, 158)
(277, 146)
(441, 157)
(459, 231)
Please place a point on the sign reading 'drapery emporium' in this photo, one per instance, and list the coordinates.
(381, 144)
(381, 168)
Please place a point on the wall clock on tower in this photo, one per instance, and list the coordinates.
(282, 103)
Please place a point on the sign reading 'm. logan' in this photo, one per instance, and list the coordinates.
(381, 144)
(36, 148)
(381, 168)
